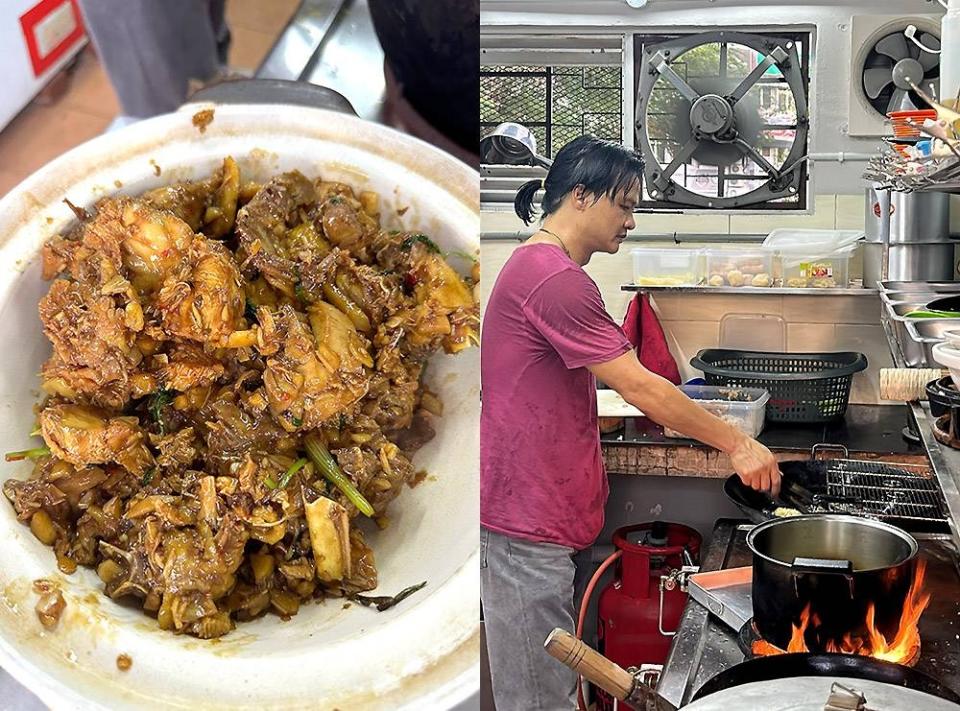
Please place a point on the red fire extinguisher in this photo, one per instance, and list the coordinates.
(640, 610)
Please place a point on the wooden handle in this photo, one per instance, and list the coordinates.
(907, 384)
(593, 667)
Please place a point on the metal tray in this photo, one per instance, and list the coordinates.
(727, 593)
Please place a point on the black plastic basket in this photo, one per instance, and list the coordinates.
(804, 387)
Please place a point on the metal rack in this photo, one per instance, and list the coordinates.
(903, 491)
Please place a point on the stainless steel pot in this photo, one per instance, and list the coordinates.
(836, 564)
(902, 218)
(933, 261)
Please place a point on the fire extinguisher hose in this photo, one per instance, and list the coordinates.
(584, 604)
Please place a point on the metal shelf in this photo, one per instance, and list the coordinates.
(755, 290)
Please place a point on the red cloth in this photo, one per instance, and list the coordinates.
(644, 331)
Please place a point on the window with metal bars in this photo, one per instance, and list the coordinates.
(557, 103)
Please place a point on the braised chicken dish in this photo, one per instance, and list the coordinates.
(237, 379)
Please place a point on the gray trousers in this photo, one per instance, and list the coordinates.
(527, 589)
(151, 49)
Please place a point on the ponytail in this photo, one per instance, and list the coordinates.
(523, 202)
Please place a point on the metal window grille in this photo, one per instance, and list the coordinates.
(560, 87)
(556, 103)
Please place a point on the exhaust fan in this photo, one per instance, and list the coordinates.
(883, 63)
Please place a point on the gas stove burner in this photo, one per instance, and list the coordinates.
(749, 636)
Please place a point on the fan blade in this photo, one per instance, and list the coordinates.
(896, 101)
(894, 46)
(875, 80)
(928, 60)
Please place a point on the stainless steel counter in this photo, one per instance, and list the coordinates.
(945, 461)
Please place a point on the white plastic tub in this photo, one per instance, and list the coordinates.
(666, 266)
(744, 408)
(422, 654)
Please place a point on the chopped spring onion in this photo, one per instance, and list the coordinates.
(288, 475)
(328, 466)
(35, 453)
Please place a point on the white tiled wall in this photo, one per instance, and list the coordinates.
(692, 321)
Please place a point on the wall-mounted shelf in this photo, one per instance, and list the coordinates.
(752, 290)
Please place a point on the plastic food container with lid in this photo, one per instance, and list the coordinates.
(739, 267)
(744, 408)
(814, 258)
(666, 266)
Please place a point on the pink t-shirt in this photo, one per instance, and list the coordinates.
(541, 471)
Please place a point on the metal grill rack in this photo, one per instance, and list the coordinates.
(879, 490)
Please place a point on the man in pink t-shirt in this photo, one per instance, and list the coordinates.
(546, 338)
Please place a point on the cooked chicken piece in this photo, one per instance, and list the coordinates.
(187, 201)
(231, 433)
(263, 225)
(85, 435)
(318, 375)
(177, 451)
(29, 496)
(154, 243)
(446, 311)
(378, 474)
(188, 366)
(202, 300)
(365, 294)
(220, 216)
(94, 356)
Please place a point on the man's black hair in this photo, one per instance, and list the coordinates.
(601, 167)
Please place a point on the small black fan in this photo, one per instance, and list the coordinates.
(892, 63)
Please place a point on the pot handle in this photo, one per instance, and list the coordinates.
(821, 566)
(826, 447)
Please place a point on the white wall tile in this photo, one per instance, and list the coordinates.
(709, 307)
(850, 212)
(870, 341)
(811, 337)
(832, 309)
(823, 217)
(660, 223)
(686, 339)
(493, 255)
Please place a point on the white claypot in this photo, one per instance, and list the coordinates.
(422, 654)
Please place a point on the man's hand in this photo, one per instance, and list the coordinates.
(756, 466)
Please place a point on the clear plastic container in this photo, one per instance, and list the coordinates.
(802, 270)
(814, 258)
(739, 267)
(666, 266)
(744, 408)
